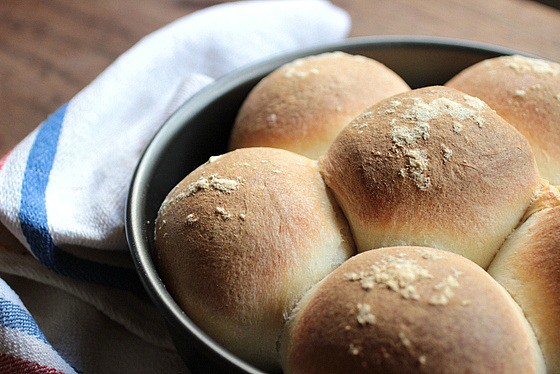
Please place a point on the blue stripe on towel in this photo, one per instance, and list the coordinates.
(34, 223)
(15, 317)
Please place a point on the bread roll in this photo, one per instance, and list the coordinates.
(241, 238)
(303, 105)
(528, 266)
(409, 310)
(526, 93)
(432, 167)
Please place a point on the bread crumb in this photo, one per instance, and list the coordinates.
(522, 64)
(457, 127)
(394, 273)
(222, 213)
(429, 254)
(213, 159)
(536, 87)
(364, 316)
(404, 340)
(447, 153)
(519, 93)
(445, 289)
(191, 218)
(354, 350)
(212, 182)
(418, 168)
(271, 118)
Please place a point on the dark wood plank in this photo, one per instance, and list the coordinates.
(49, 50)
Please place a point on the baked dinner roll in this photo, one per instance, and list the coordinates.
(241, 238)
(526, 93)
(528, 266)
(304, 104)
(409, 310)
(431, 167)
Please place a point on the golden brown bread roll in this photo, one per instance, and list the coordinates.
(241, 238)
(528, 266)
(432, 167)
(303, 105)
(526, 93)
(409, 310)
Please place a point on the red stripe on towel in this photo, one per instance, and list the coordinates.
(11, 364)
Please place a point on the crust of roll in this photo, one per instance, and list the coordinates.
(303, 105)
(526, 93)
(409, 310)
(241, 238)
(528, 266)
(432, 167)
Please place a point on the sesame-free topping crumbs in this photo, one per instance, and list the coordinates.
(213, 159)
(447, 153)
(224, 214)
(404, 136)
(445, 291)
(457, 127)
(519, 93)
(271, 118)
(418, 168)
(522, 64)
(536, 87)
(354, 350)
(212, 182)
(191, 218)
(429, 254)
(364, 316)
(394, 273)
(404, 340)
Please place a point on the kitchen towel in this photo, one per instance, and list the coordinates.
(63, 189)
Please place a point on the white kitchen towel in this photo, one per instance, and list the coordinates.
(63, 188)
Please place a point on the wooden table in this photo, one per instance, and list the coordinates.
(49, 50)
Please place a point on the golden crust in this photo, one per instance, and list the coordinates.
(241, 238)
(526, 93)
(432, 167)
(357, 319)
(528, 266)
(303, 105)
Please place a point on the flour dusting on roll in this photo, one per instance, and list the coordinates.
(525, 92)
(432, 167)
(304, 104)
(241, 238)
(409, 310)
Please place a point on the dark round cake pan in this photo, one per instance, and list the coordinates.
(201, 128)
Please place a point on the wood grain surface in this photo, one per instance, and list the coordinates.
(49, 50)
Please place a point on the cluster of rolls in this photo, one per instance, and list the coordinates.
(421, 234)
